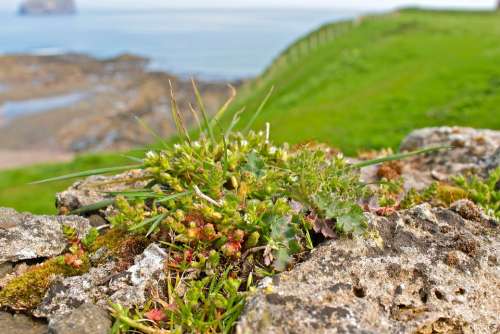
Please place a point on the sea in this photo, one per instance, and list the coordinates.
(211, 44)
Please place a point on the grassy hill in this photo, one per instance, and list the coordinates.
(355, 85)
(366, 84)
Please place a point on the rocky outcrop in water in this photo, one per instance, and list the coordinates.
(47, 7)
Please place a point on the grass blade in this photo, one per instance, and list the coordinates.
(155, 224)
(131, 158)
(196, 118)
(93, 207)
(234, 121)
(90, 173)
(179, 123)
(398, 156)
(151, 131)
(174, 196)
(259, 110)
(199, 100)
(224, 108)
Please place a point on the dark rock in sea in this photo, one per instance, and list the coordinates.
(47, 7)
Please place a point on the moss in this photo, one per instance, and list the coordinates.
(448, 194)
(26, 291)
(111, 240)
(121, 245)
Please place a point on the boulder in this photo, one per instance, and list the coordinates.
(102, 284)
(24, 236)
(93, 189)
(471, 150)
(86, 319)
(20, 324)
(424, 270)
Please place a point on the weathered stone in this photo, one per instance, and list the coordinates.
(425, 270)
(147, 272)
(25, 236)
(66, 294)
(20, 324)
(102, 284)
(86, 319)
(5, 269)
(93, 190)
(474, 150)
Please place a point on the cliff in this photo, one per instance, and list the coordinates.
(47, 7)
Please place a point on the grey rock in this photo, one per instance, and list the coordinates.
(5, 269)
(425, 270)
(92, 190)
(146, 273)
(86, 319)
(102, 284)
(66, 294)
(24, 236)
(21, 324)
(474, 150)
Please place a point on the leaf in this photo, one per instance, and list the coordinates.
(259, 110)
(93, 207)
(255, 164)
(204, 113)
(323, 226)
(90, 173)
(282, 259)
(398, 156)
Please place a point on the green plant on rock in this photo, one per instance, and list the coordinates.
(484, 192)
(229, 209)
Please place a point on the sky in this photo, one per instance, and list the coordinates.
(357, 4)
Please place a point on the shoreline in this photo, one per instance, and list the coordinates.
(115, 91)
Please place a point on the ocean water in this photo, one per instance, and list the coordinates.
(210, 44)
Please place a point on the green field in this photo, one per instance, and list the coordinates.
(354, 85)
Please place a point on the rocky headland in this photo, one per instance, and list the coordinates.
(47, 7)
(430, 267)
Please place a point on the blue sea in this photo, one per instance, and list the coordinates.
(210, 44)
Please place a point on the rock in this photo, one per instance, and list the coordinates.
(147, 271)
(424, 270)
(5, 269)
(67, 294)
(44, 7)
(102, 284)
(474, 150)
(86, 319)
(20, 324)
(92, 190)
(25, 236)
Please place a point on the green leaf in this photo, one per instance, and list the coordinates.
(255, 164)
(259, 110)
(90, 173)
(398, 156)
(93, 207)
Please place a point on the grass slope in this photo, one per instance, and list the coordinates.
(375, 80)
(354, 85)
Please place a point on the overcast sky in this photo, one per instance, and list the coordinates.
(358, 4)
